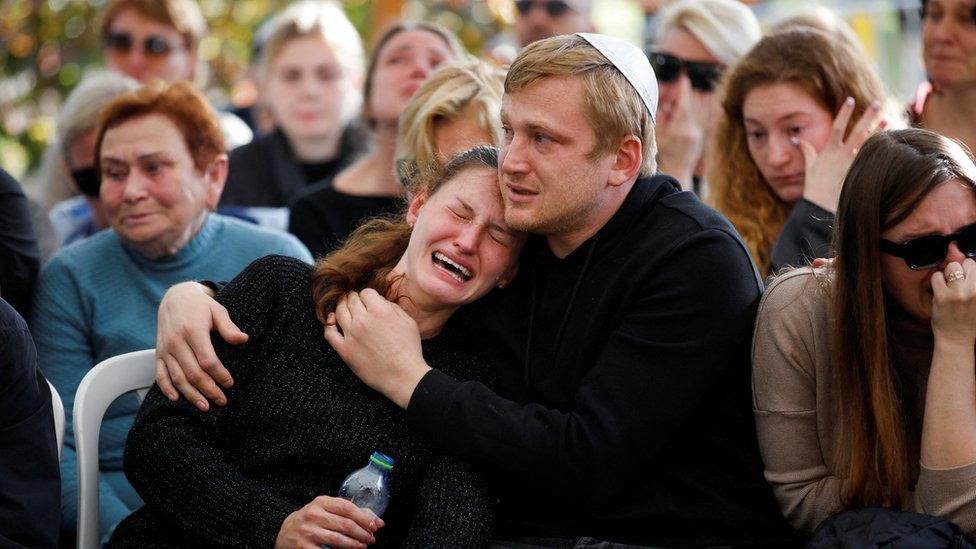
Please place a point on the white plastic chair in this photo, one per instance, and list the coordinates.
(108, 380)
(58, 408)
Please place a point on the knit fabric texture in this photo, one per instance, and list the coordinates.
(98, 298)
(296, 424)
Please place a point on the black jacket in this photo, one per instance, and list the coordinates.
(19, 254)
(323, 217)
(805, 236)
(624, 408)
(266, 173)
(30, 484)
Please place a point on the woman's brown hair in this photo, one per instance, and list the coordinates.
(893, 172)
(366, 259)
(829, 72)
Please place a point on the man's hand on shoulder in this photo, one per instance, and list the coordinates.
(185, 358)
(379, 342)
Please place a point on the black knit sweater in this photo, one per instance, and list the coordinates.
(296, 423)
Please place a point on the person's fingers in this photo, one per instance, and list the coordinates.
(938, 283)
(865, 127)
(364, 518)
(163, 381)
(329, 538)
(181, 360)
(808, 151)
(188, 391)
(822, 262)
(347, 527)
(228, 331)
(954, 275)
(372, 299)
(342, 315)
(354, 303)
(206, 357)
(841, 120)
(333, 336)
(969, 270)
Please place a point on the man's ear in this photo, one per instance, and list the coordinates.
(416, 203)
(627, 161)
(509, 275)
(214, 178)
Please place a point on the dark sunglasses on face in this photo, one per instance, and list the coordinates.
(928, 251)
(152, 46)
(87, 180)
(667, 68)
(554, 8)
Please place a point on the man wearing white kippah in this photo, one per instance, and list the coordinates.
(622, 414)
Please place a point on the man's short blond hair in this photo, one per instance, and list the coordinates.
(613, 107)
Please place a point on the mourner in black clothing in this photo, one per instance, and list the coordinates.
(30, 486)
(623, 408)
(19, 254)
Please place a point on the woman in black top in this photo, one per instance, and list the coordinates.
(328, 212)
(310, 65)
(264, 469)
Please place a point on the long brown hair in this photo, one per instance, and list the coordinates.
(366, 259)
(891, 175)
(829, 72)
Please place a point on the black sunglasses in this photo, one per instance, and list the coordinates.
(87, 180)
(152, 46)
(928, 251)
(554, 8)
(667, 68)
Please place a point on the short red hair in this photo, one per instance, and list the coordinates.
(183, 105)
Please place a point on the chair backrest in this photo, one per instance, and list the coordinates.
(108, 380)
(58, 408)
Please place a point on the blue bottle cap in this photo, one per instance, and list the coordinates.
(381, 460)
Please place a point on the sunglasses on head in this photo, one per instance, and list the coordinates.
(152, 46)
(928, 251)
(554, 8)
(87, 180)
(667, 68)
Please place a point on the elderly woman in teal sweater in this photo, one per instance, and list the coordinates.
(159, 155)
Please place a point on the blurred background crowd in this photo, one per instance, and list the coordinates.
(47, 45)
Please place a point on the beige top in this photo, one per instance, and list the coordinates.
(796, 418)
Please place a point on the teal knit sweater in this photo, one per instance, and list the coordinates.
(98, 298)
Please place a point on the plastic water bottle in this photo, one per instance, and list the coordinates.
(369, 487)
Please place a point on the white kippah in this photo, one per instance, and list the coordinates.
(631, 62)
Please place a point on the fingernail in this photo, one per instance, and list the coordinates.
(221, 401)
(795, 141)
(202, 404)
(849, 101)
(876, 104)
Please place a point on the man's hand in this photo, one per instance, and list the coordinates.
(379, 342)
(185, 356)
(328, 520)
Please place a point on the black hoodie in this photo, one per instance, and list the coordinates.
(623, 410)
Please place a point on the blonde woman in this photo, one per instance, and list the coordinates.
(698, 41)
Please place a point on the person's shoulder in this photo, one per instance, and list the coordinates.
(801, 289)
(86, 255)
